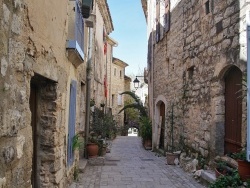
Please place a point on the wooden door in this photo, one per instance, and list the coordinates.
(233, 110)
(162, 135)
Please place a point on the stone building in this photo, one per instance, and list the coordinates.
(103, 51)
(45, 49)
(118, 80)
(196, 62)
(111, 43)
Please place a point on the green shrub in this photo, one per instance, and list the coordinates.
(232, 181)
(145, 128)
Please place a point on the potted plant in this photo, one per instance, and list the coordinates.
(171, 155)
(102, 104)
(146, 132)
(243, 164)
(92, 102)
(77, 143)
(232, 180)
(102, 147)
(221, 169)
(103, 124)
(92, 145)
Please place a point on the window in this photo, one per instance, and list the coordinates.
(120, 74)
(75, 40)
(190, 72)
(157, 20)
(207, 7)
(167, 16)
(72, 122)
(119, 102)
(115, 72)
(113, 100)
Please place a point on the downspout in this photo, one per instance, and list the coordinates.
(88, 91)
(106, 100)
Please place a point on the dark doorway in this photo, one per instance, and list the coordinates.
(33, 109)
(162, 135)
(233, 110)
(43, 121)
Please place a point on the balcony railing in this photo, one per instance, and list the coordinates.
(75, 43)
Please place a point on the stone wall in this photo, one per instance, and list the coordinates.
(189, 64)
(34, 52)
(118, 86)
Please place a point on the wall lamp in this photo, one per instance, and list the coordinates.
(136, 82)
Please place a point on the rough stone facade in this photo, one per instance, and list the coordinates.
(38, 76)
(188, 65)
(102, 51)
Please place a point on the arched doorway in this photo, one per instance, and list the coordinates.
(162, 133)
(233, 110)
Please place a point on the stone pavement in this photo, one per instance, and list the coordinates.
(130, 166)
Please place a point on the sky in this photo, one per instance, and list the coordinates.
(131, 34)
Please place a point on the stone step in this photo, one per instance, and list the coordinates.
(82, 165)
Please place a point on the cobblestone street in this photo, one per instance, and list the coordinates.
(130, 166)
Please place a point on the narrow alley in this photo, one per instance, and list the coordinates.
(129, 165)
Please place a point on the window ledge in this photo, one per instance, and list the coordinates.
(75, 53)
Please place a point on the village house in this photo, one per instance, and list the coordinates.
(42, 72)
(118, 80)
(196, 65)
(53, 59)
(108, 73)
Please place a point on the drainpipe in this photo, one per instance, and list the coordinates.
(248, 85)
(88, 91)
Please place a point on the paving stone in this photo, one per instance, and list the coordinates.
(134, 167)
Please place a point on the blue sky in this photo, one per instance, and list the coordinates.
(130, 33)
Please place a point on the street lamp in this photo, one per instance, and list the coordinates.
(136, 82)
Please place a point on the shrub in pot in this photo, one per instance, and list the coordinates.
(146, 132)
(243, 164)
(92, 146)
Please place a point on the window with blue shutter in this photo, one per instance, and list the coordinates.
(72, 122)
(167, 15)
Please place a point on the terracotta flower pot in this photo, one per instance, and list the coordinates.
(148, 144)
(171, 157)
(218, 173)
(244, 169)
(92, 150)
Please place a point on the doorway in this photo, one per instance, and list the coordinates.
(42, 101)
(33, 109)
(233, 110)
(162, 134)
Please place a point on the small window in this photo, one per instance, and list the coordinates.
(219, 27)
(207, 6)
(115, 72)
(190, 72)
(71, 122)
(120, 74)
(113, 100)
(167, 15)
(157, 21)
(119, 102)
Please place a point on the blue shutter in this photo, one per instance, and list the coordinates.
(72, 121)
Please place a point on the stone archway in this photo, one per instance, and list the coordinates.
(159, 126)
(218, 126)
(233, 110)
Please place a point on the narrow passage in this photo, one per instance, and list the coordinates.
(130, 166)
